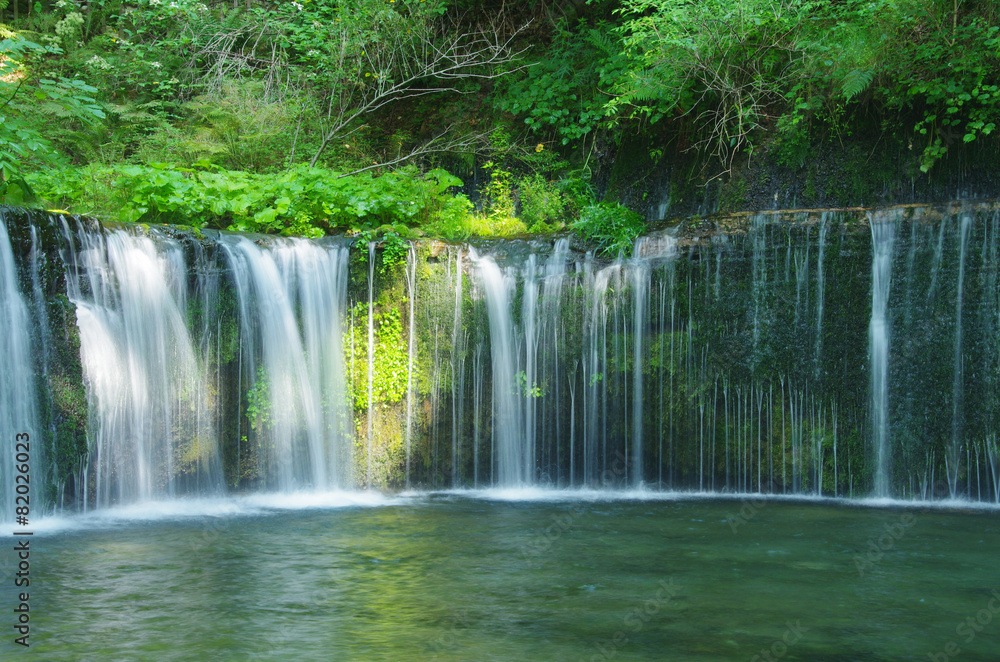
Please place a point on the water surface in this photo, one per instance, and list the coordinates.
(494, 576)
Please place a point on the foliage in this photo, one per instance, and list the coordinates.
(259, 402)
(496, 193)
(562, 91)
(394, 249)
(235, 126)
(723, 64)
(325, 66)
(610, 226)
(525, 390)
(392, 240)
(452, 221)
(954, 77)
(543, 204)
(233, 91)
(733, 69)
(485, 225)
(498, 214)
(26, 99)
(301, 201)
(389, 368)
(363, 55)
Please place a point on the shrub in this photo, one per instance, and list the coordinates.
(612, 227)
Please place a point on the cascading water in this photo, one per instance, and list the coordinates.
(820, 291)
(18, 402)
(512, 458)
(149, 433)
(549, 370)
(734, 368)
(954, 453)
(411, 347)
(711, 359)
(292, 296)
(595, 444)
(458, 373)
(184, 345)
(371, 361)
(883, 236)
(640, 293)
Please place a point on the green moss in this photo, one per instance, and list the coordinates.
(69, 407)
(259, 402)
(809, 190)
(734, 195)
(389, 369)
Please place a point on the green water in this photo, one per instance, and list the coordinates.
(460, 577)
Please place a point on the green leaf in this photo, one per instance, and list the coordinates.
(856, 82)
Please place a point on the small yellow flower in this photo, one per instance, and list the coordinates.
(539, 147)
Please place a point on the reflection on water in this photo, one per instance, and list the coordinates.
(464, 577)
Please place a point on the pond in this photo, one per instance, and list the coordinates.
(515, 575)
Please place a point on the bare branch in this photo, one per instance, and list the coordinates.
(445, 141)
(406, 67)
(363, 69)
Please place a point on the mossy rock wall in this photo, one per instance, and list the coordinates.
(662, 178)
(756, 323)
(36, 240)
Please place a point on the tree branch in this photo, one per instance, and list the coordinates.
(399, 66)
(437, 144)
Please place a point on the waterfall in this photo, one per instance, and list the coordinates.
(640, 300)
(411, 348)
(737, 356)
(18, 404)
(759, 282)
(511, 457)
(477, 404)
(457, 373)
(957, 397)
(595, 453)
(41, 314)
(883, 236)
(292, 295)
(149, 437)
(548, 400)
(525, 378)
(820, 292)
(712, 359)
(371, 361)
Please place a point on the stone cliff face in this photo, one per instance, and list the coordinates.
(872, 170)
(749, 352)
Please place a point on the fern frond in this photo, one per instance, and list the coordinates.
(603, 42)
(856, 82)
